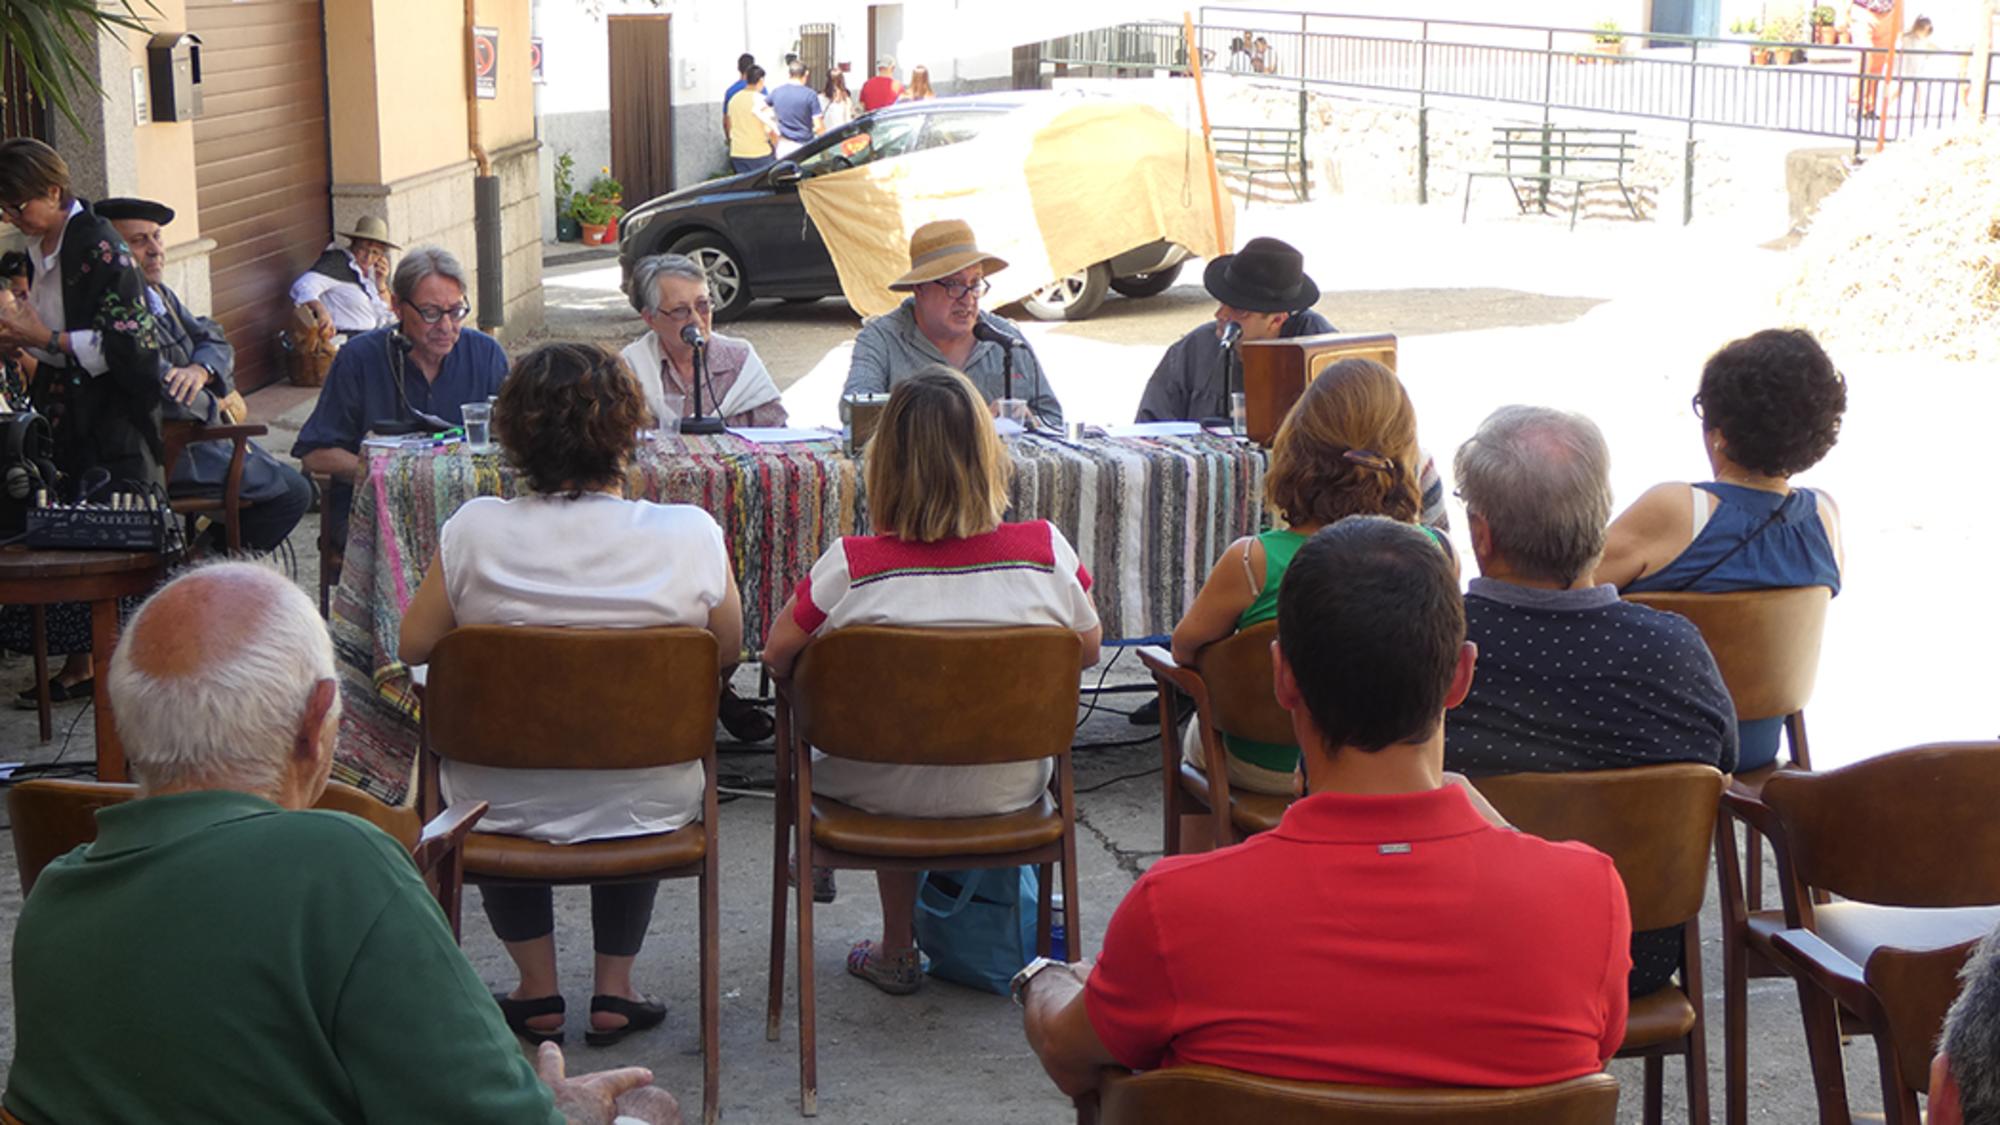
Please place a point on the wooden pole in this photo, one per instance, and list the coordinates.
(1222, 245)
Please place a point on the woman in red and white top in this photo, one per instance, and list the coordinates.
(937, 479)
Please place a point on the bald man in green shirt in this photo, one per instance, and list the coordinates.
(218, 955)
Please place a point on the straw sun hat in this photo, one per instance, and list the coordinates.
(941, 249)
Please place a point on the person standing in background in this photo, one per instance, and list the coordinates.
(836, 105)
(797, 109)
(883, 89)
(753, 130)
(744, 62)
(920, 86)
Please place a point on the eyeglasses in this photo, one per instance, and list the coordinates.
(685, 313)
(13, 209)
(430, 314)
(957, 292)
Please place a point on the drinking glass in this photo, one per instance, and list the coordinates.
(1239, 414)
(478, 434)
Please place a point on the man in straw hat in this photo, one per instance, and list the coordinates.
(1264, 291)
(352, 284)
(941, 322)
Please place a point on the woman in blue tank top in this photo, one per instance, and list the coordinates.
(1770, 406)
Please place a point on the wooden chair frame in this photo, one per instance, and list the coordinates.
(1766, 644)
(794, 847)
(702, 669)
(330, 560)
(1178, 1095)
(176, 436)
(1544, 804)
(1212, 793)
(1837, 993)
(437, 848)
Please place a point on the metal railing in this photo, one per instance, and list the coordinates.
(1693, 81)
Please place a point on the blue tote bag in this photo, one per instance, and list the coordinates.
(978, 927)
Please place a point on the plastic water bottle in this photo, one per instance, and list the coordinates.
(1058, 930)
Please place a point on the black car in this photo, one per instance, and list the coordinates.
(752, 235)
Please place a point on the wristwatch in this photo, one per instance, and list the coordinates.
(1019, 985)
(55, 341)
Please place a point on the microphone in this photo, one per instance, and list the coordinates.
(981, 330)
(1230, 333)
(699, 422)
(984, 331)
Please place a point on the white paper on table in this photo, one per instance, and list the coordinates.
(1154, 429)
(780, 435)
(1008, 427)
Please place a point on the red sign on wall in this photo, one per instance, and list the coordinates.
(486, 62)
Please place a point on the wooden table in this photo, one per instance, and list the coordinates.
(45, 578)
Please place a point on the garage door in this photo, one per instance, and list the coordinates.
(260, 152)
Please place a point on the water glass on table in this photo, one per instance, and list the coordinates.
(1239, 414)
(478, 418)
(1014, 410)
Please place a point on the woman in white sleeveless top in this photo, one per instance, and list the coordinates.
(571, 551)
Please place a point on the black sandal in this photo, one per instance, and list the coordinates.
(639, 1015)
(517, 1013)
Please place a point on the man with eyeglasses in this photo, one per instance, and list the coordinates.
(350, 284)
(941, 322)
(670, 292)
(411, 377)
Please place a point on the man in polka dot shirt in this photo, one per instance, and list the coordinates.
(1571, 677)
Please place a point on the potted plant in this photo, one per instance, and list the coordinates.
(596, 217)
(1608, 40)
(1785, 32)
(1822, 26)
(567, 228)
(1760, 51)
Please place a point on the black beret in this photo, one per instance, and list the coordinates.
(127, 208)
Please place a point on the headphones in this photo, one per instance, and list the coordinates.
(27, 451)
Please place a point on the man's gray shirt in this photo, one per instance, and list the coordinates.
(891, 348)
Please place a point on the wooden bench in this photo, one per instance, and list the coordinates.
(1253, 148)
(1546, 154)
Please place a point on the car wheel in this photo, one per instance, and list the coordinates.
(1147, 284)
(1070, 298)
(728, 284)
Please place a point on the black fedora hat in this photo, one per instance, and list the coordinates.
(125, 207)
(1265, 276)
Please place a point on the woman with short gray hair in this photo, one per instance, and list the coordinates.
(670, 293)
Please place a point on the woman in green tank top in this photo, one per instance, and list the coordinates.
(1348, 447)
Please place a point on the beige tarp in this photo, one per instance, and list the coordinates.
(1059, 185)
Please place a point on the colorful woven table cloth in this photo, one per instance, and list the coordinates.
(1148, 516)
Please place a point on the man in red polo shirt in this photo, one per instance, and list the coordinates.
(1386, 932)
(883, 89)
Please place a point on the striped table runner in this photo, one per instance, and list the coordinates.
(1148, 516)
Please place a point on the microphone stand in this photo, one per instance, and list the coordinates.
(700, 422)
(1229, 376)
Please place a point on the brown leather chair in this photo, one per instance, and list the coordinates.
(1766, 644)
(940, 697)
(1186, 1095)
(176, 436)
(521, 697)
(52, 817)
(1909, 846)
(1655, 823)
(1231, 689)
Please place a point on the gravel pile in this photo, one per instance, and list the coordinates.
(1905, 256)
